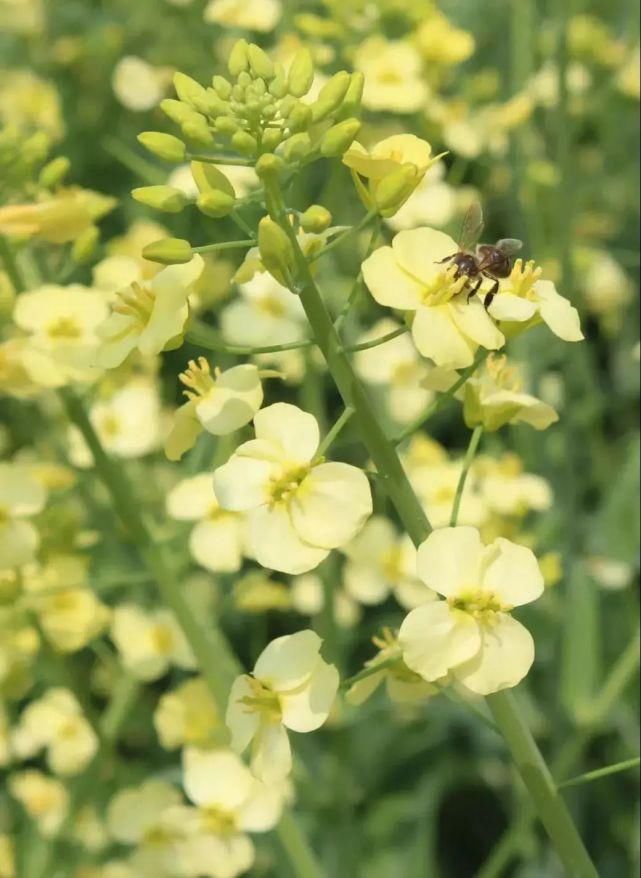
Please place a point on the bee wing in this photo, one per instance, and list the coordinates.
(472, 226)
(509, 246)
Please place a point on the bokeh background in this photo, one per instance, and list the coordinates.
(536, 104)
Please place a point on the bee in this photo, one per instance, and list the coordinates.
(477, 261)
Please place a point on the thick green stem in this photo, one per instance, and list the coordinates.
(532, 767)
(536, 776)
(218, 664)
(467, 463)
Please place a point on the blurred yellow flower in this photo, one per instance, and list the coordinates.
(44, 798)
(187, 716)
(393, 75)
(149, 642)
(266, 313)
(135, 817)
(29, 102)
(308, 598)
(57, 219)
(137, 85)
(21, 497)
(440, 42)
(256, 15)
(402, 684)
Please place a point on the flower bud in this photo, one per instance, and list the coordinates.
(394, 189)
(352, 101)
(244, 143)
(276, 252)
(331, 95)
(197, 130)
(85, 245)
(259, 62)
(216, 203)
(209, 178)
(269, 165)
(164, 198)
(226, 125)
(165, 146)
(339, 137)
(168, 251)
(238, 59)
(188, 90)
(54, 172)
(299, 118)
(315, 219)
(222, 87)
(272, 138)
(301, 73)
(278, 85)
(176, 110)
(296, 147)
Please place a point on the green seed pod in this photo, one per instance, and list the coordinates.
(197, 131)
(54, 172)
(169, 251)
(85, 245)
(394, 189)
(269, 165)
(226, 124)
(215, 204)
(301, 73)
(272, 138)
(259, 62)
(222, 87)
(238, 60)
(331, 95)
(296, 147)
(164, 198)
(338, 138)
(315, 219)
(165, 146)
(176, 110)
(188, 90)
(299, 118)
(244, 143)
(276, 252)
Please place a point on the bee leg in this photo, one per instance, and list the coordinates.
(490, 294)
(447, 259)
(474, 290)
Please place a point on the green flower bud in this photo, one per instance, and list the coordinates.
(212, 105)
(315, 219)
(269, 165)
(215, 204)
(176, 110)
(85, 245)
(338, 138)
(299, 118)
(244, 143)
(238, 60)
(394, 189)
(197, 130)
(54, 172)
(352, 101)
(259, 62)
(276, 252)
(226, 125)
(301, 73)
(331, 95)
(169, 251)
(296, 147)
(164, 198)
(287, 105)
(165, 146)
(208, 178)
(222, 87)
(36, 147)
(189, 91)
(244, 80)
(278, 85)
(272, 138)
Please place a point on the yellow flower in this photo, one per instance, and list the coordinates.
(393, 75)
(137, 85)
(308, 599)
(58, 219)
(29, 102)
(187, 716)
(266, 313)
(216, 541)
(149, 317)
(21, 496)
(291, 687)
(134, 816)
(56, 723)
(440, 42)
(433, 203)
(45, 799)
(7, 854)
(402, 684)
(507, 490)
(298, 508)
(149, 642)
(411, 276)
(256, 15)
(471, 634)
(62, 323)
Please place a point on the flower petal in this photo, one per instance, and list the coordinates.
(435, 638)
(331, 505)
(217, 544)
(505, 657)
(233, 402)
(388, 283)
(287, 662)
(306, 708)
(243, 482)
(511, 572)
(449, 560)
(271, 753)
(507, 306)
(191, 498)
(215, 778)
(276, 544)
(289, 427)
(420, 251)
(562, 318)
(241, 722)
(475, 323)
(437, 336)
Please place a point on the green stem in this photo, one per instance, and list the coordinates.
(352, 391)
(206, 337)
(219, 160)
(358, 283)
(375, 342)
(442, 398)
(532, 766)
(536, 776)
(224, 245)
(467, 463)
(333, 433)
(11, 266)
(370, 670)
(218, 664)
(344, 235)
(598, 773)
